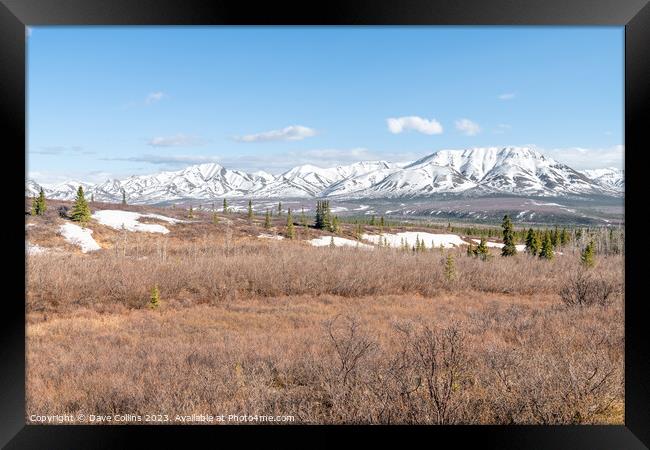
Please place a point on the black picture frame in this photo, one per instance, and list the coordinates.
(634, 15)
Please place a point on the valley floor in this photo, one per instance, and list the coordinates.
(255, 326)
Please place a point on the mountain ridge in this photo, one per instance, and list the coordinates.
(477, 171)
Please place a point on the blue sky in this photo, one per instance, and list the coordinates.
(117, 101)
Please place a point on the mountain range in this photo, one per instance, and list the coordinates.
(518, 171)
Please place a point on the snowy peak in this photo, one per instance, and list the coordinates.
(610, 177)
(475, 171)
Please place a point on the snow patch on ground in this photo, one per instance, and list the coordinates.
(324, 241)
(128, 219)
(270, 236)
(81, 237)
(33, 249)
(519, 247)
(410, 237)
(30, 225)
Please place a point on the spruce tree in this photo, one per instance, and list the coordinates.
(267, 220)
(555, 237)
(587, 256)
(123, 197)
(532, 242)
(154, 300)
(482, 250)
(546, 252)
(508, 248)
(450, 268)
(32, 210)
(291, 232)
(80, 210)
(250, 209)
(303, 218)
(225, 206)
(190, 213)
(564, 237)
(38, 204)
(41, 203)
(279, 208)
(332, 244)
(335, 226)
(92, 198)
(373, 221)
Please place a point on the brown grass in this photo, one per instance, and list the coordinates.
(341, 335)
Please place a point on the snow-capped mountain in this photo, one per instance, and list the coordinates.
(611, 177)
(477, 171)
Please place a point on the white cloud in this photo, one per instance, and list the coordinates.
(154, 97)
(588, 158)
(507, 96)
(398, 125)
(290, 133)
(179, 140)
(467, 127)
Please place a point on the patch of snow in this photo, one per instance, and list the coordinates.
(117, 219)
(33, 249)
(519, 247)
(270, 236)
(30, 225)
(410, 237)
(77, 235)
(362, 207)
(324, 241)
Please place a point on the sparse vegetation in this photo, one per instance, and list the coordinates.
(329, 335)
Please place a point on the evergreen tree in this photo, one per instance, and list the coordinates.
(508, 248)
(335, 225)
(323, 215)
(303, 218)
(587, 257)
(123, 197)
(190, 213)
(470, 249)
(555, 237)
(373, 222)
(32, 210)
(291, 232)
(38, 204)
(92, 198)
(450, 268)
(80, 210)
(482, 250)
(332, 244)
(154, 300)
(250, 210)
(546, 251)
(267, 220)
(532, 242)
(225, 206)
(279, 208)
(564, 237)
